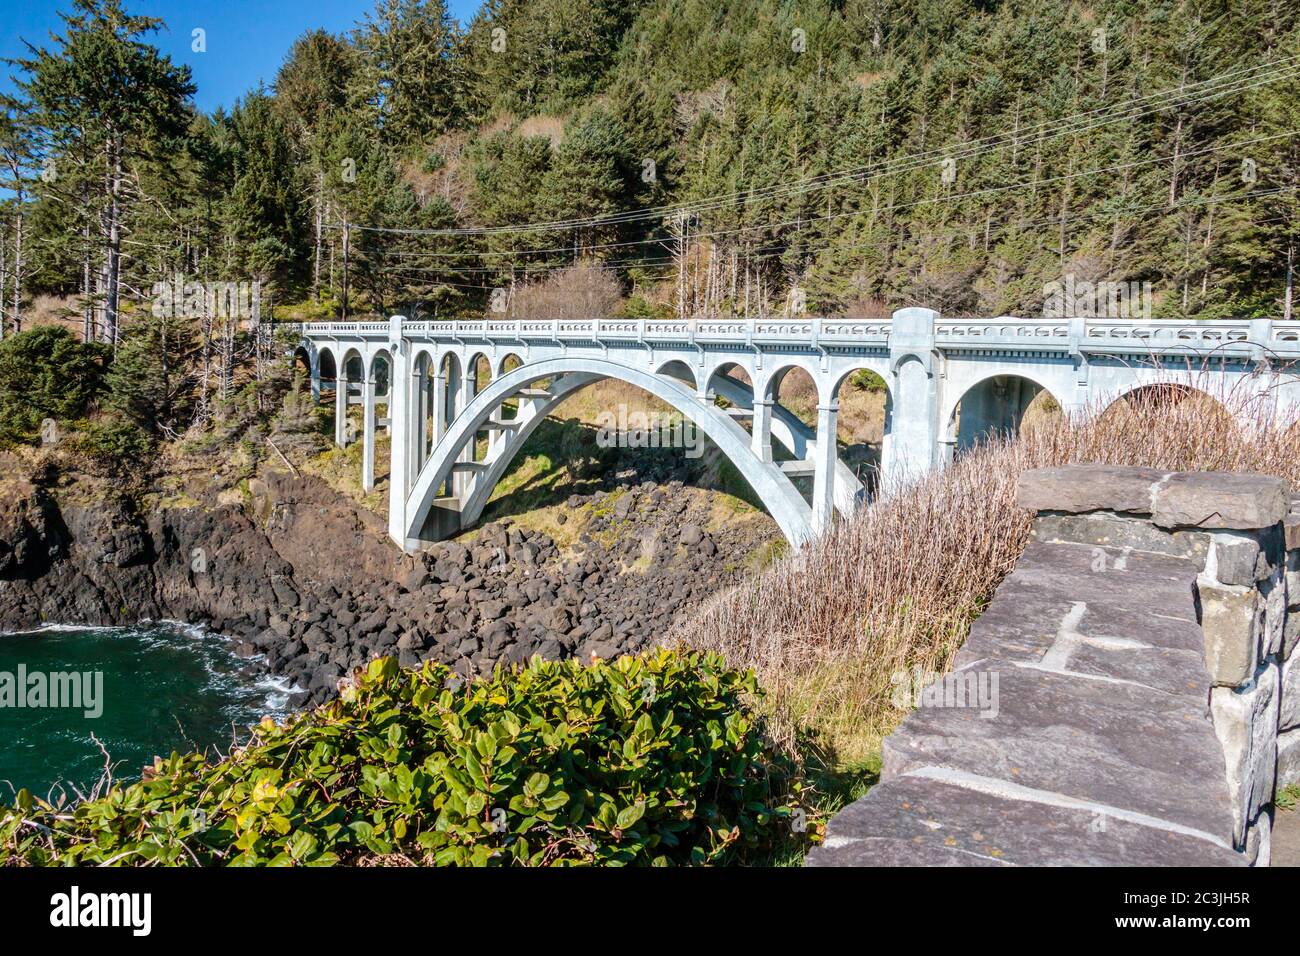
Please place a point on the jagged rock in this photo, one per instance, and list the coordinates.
(315, 611)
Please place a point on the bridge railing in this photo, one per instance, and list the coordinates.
(1101, 335)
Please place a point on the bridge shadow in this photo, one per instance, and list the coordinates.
(564, 457)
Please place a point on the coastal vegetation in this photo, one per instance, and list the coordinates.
(658, 759)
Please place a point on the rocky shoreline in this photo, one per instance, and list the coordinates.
(307, 585)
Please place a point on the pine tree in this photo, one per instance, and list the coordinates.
(104, 102)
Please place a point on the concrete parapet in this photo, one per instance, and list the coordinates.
(1147, 702)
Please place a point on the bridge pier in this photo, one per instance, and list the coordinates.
(399, 406)
(911, 447)
(825, 457)
(761, 435)
(368, 426)
(340, 405)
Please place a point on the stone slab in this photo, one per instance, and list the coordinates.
(1080, 488)
(919, 821)
(1245, 720)
(1094, 740)
(1232, 620)
(1259, 840)
(1147, 595)
(1289, 707)
(1291, 529)
(1288, 759)
(1216, 499)
(1124, 533)
(1235, 559)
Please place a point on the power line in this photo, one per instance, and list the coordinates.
(937, 200)
(771, 252)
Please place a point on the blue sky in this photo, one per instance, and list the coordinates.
(246, 40)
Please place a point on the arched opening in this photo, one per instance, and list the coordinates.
(376, 392)
(998, 407)
(425, 397)
(1159, 397)
(733, 373)
(730, 387)
(453, 402)
(793, 394)
(510, 409)
(679, 370)
(328, 370)
(509, 363)
(1166, 412)
(478, 377)
(352, 374)
(381, 374)
(861, 423)
(480, 372)
(795, 390)
(451, 389)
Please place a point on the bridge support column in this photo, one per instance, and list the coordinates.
(368, 427)
(413, 434)
(399, 413)
(420, 383)
(912, 442)
(761, 436)
(341, 407)
(439, 405)
(824, 459)
(468, 386)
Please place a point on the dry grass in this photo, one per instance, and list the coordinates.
(552, 127)
(897, 585)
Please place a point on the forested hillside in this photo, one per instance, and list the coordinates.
(718, 156)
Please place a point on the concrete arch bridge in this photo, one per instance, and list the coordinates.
(461, 398)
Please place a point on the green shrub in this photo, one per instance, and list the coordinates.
(867, 380)
(656, 759)
(46, 372)
(112, 442)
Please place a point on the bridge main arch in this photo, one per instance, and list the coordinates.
(783, 501)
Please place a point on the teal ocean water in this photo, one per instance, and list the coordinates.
(162, 687)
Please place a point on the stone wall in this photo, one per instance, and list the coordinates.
(1145, 701)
